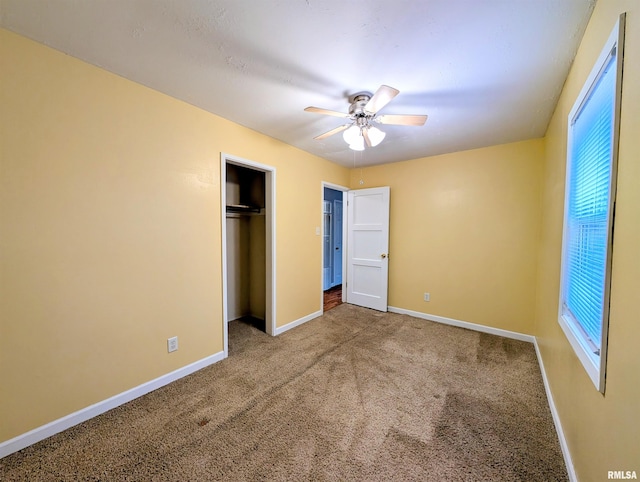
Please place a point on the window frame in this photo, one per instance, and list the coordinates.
(594, 363)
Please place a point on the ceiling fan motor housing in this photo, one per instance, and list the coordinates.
(358, 102)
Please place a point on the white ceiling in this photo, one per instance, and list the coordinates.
(486, 72)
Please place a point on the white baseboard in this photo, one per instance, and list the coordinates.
(556, 419)
(465, 324)
(68, 421)
(297, 322)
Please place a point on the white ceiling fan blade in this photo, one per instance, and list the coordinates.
(402, 120)
(318, 110)
(332, 132)
(365, 134)
(382, 97)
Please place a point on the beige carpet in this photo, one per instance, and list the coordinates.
(353, 395)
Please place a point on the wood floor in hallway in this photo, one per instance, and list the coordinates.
(332, 297)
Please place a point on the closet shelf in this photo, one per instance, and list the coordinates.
(243, 209)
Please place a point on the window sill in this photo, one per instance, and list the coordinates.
(590, 361)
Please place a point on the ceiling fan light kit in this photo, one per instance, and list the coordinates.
(375, 135)
(352, 135)
(357, 143)
(363, 110)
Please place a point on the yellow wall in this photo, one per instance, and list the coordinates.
(601, 431)
(110, 232)
(464, 227)
(110, 240)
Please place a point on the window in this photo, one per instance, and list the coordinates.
(589, 207)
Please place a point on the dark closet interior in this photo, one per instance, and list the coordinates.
(246, 244)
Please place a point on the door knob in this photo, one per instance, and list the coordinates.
(383, 255)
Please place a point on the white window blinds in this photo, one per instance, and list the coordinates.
(588, 209)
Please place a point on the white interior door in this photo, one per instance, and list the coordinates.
(368, 247)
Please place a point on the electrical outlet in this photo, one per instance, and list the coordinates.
(427, 297)
(172, 344)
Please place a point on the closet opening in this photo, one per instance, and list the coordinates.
(248, 244)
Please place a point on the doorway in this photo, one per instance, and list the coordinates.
(248, 244)
(333, 242)
(364, 250)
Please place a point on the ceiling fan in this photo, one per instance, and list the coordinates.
(363, 111)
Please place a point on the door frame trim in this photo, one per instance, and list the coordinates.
(270, 234)
(344, 190)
